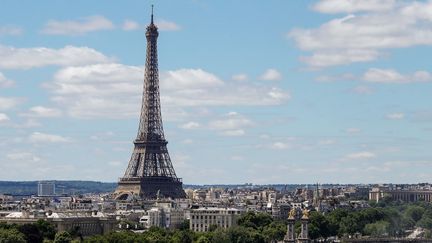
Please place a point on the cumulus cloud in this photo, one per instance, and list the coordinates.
(376, 75)
(360, 155)
(166, 25)
(234, 133)
(25, 58)
(353, 130)
(38, 137)
(352, 6)
(271, 74)
(4, 118)
(7, 103)
(4, 82)
(280, 145)
(364, 36)
(77, 27)
(23, 156)
(190, 125)
(10, 30)
(43, 112)
(361, 89)
(239, 77)
(231, 124)
(395, 116)
(115, 90)
(130, 25)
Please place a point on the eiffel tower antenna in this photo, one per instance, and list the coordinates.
(152, 15)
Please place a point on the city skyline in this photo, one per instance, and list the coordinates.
(282, 92)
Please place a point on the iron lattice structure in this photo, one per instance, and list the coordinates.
(150, 172)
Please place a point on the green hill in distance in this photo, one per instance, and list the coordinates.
(24, 188)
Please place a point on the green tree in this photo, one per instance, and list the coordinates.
(255, 220)
(62, 237)
(184, 225)
(377, 229)
(242, 234)
(46, 228)
(320, 226)
(349, 225)
(414, 212)
(274, 231)
(11, 235)
(31, 233)
(426, 220)
(203, 239)
(182, 236)
(219, 236)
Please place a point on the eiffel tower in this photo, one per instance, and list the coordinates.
(150, 173)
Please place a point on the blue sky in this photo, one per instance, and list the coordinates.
(329, 91)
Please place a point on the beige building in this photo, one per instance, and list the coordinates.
(377, 193)
(202, 218)
(88, 223)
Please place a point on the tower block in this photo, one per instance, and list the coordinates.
(150, 169)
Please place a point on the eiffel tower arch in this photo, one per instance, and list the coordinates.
(150, 172)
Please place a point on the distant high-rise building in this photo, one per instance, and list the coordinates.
(150, 173)
(46, 188)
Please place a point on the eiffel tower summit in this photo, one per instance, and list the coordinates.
(150, 173)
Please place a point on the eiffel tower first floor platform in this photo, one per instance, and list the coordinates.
(149, 187)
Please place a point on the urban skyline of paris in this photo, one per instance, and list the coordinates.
(262, 93)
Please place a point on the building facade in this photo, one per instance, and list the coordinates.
(46, 188)
(202, 218)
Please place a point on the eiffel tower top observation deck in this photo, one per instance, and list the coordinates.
(150, 169)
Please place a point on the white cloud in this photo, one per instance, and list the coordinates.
(41, 111)
(190, 125)
(361, 89)
(10, 30)
(38, 137)
(114, 90)
(271, 74)
(4, 118)
(234, 133)
(231, 124)
(23, 156)
(360, 155)
(4, 82)
(25, 58)
(130, 25)
(77, 27)
(166, 25)
(239, 77)
(189, 79)
(376, 75)
(395, 116)
(341, 57)
(376, 27)
(7, 103)
(353, 130)
(351, 6)
(280, 145)
(231, 121)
